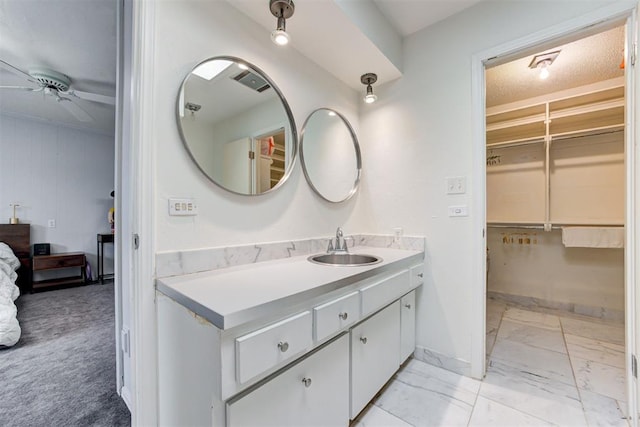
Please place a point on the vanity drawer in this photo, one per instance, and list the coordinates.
(383, 292)
(265, 348)
(417, 275)
(335, 315)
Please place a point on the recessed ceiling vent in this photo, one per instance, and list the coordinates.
(252, 81)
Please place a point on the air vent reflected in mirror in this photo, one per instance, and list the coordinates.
(252, 81)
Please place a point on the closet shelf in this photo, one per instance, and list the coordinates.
(582, 111)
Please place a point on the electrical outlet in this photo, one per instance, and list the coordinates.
(456, 185)
(460, 210)
(397, 235)
(183, 207)
(51, 223)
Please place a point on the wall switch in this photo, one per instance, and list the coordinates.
(51, 223)
(460, 210)
(182, 207)
(456, 185)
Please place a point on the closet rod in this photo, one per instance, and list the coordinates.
(553, 227)
(531, 227)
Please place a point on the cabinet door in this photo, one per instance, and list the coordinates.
(407, 325)
(314, 392)
(375, 355)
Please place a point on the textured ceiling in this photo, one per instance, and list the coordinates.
(585, 61)
(73, 37)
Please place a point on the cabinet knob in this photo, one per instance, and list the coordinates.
(283, 346)
(408, 306)
(343, 316)
(363, 339)
(306, 382)
(420, 274)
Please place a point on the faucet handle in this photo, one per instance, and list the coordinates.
(330, 247)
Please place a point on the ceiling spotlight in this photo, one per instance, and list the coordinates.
(542, 62)
(544, 69)
(368, 79)
(283, 10)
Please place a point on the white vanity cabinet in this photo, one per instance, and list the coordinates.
(375, 355)
(306, 355)
(313, 392)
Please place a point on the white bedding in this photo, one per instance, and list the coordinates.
(9, 292)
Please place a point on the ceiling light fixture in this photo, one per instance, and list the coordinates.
(283, 10)
(542, 62)
(368, 79)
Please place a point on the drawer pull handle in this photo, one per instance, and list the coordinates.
(283, 346)
(420, 274)
(363, 339)
(408, 306)
(306, 382)
(343, 316)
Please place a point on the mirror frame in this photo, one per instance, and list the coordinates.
(356, 147)
(285, 105)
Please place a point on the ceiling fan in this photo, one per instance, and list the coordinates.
(58, 86)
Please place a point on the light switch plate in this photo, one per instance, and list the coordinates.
(456, 185)
(183, 207)
(460, 210)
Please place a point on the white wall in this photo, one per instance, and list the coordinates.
(60, 173)
(185, 35)
(546, 270)
(420, 132)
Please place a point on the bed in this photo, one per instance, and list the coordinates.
(14, 269)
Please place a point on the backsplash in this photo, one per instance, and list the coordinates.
(194, 261)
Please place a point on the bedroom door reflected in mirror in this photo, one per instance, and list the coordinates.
(254, 165)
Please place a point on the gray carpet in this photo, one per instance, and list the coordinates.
(62, 371)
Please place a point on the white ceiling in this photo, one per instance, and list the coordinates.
(73, 37)
(78, 38)
(409, 16)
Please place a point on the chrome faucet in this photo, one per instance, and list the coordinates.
(340, 245)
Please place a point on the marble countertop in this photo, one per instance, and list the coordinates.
(232, 296)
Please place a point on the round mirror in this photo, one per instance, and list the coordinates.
(330, 155)
(237, 126)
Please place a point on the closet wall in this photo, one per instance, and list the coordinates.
(580, 181)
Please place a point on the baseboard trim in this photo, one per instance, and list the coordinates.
(125, 394)
(603, 313)
(440, 360)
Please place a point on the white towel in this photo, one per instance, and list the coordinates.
(593, 237)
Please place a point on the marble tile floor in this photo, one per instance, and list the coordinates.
(543, 368)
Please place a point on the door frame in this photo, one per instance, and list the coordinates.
(622, 11)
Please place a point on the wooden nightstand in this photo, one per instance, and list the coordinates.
(66, 260)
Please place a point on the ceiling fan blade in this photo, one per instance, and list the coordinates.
(17, 71)
(74, 109)
(30, 89)
(95, 97)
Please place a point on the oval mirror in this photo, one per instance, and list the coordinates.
(237, 126)
(330, 155)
